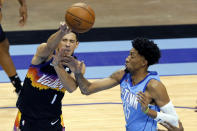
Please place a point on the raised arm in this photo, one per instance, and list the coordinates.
(45, 50)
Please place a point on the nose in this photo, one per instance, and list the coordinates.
(127, 59)
(68, 44)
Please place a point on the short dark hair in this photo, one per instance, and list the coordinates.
(76, 34)
(148, 49)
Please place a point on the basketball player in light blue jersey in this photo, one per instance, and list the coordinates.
(145, 99)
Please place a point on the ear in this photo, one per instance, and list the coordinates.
(145, 62)
(77, 43)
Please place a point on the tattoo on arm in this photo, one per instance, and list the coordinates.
(82, 83)
(117, 76)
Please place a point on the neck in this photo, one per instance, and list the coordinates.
(138, 76)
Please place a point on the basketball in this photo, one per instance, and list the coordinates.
(80, 17)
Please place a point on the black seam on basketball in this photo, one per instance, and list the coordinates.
(80, 18)
(87, 10)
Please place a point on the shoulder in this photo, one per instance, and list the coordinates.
(118, 75)
(156, 88)
(42, 45)
(158, 92)
(39, 57)
(155, 85)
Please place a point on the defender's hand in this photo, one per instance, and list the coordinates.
(75, 65)
(173, 128)
(143, 101)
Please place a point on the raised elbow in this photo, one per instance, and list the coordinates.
(85, 92)
(70, 90)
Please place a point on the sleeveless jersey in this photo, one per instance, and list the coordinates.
(136, 120)
(42, 92)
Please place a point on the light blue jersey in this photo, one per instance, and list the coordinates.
(136, 120)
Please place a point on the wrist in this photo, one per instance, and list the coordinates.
(147, 110)
(54, 64)
(78, 73)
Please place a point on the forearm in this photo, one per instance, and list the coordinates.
(152, 113)
(167, 114)
(82, 83)
(22, 2)
(68, 82)
(54, 40)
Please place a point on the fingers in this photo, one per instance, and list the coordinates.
(141, 98)
(68, 59)
(165, 125)
(169, 125)
(180, 125)
(64, 28)
(64, 63)
(160, 130)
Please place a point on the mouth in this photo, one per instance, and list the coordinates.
(66, 50)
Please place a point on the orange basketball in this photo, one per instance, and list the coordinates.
(80, 17)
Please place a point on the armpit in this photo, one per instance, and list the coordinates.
(117, 75)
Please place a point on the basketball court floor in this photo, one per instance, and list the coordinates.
(103, 111)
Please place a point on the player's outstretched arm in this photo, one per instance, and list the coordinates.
(86, 86)
(45, 50)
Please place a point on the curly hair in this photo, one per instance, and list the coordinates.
(148, 49)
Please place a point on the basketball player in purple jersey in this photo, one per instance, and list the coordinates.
(45, 84)
(135, 81)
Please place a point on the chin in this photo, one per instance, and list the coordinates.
(126, 70)
(67, 54)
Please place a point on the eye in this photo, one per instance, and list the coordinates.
(65, 40)
(72, 41)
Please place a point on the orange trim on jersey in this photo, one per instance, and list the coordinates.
(32, 74)
(17, 121)
(62, 121)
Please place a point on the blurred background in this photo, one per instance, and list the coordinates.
(171, 23)
(46, 14)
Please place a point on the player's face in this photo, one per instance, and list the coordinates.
(69, 42)
(135, 61)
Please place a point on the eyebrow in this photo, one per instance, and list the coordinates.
(132, 52)
(68, 39)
